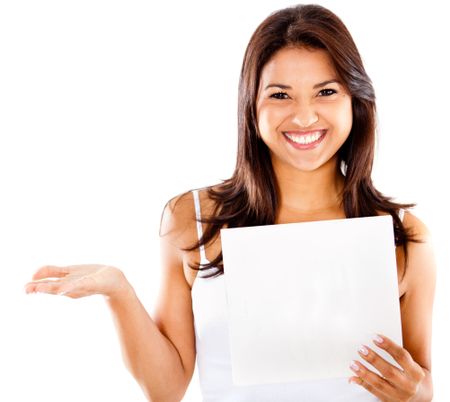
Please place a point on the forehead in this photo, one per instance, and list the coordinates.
(298, 65)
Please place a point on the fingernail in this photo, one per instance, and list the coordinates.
(378, 339)
(363, 350)
(354, 366)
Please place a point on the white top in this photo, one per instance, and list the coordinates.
(209, 306)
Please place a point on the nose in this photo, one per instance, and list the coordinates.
(305, 116)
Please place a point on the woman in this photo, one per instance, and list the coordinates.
(305, 153)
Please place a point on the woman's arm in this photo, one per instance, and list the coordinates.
(160, 351)
(413, 383)
(417, 303)
(150, 357)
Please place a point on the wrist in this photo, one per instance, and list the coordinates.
(122, 291)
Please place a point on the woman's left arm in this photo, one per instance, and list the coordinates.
(414, 383)
(417, 303)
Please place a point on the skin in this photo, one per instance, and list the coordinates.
(310, 184)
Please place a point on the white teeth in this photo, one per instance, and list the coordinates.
(304, 139)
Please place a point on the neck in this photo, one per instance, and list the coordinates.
(309, 192)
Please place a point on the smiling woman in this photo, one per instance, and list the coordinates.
(306, 146)
(306, 143)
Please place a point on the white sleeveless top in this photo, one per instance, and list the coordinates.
(209, 306)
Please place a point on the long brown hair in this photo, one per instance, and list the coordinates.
(250, 196)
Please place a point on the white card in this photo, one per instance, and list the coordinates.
(302, 297)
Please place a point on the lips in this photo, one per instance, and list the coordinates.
(305, 139)
(310, 132)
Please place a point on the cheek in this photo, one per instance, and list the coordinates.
(269, 118)
(339, 117)
(344, 115)
(346, 125)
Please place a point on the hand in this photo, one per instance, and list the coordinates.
(77, 281)
(395, 385)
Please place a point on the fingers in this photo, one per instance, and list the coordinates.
(394, 383)
(387, 370)
(80, 280)
(371, 381)
(52, 287)
(73, 286)
(369, 387)
(50, 271)
(402, 357)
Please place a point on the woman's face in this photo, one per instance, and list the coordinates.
(302, 119)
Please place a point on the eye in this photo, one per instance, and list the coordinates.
(328, 90)
(283, 95)
(279, 94)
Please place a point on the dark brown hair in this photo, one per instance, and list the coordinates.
(250, 196)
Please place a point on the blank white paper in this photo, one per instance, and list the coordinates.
(302, 297)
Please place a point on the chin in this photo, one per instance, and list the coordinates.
(306, 169)
(311, 167)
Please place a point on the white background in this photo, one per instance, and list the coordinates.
(108, 109)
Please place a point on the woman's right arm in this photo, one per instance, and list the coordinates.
(149, 355)
(159, 352)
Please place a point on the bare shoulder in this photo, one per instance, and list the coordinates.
(178, 219)
(421, 254)
(421, 260)
(417, 226)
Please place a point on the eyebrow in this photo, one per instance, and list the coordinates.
(320, 84)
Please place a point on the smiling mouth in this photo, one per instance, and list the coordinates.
(305, 139)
